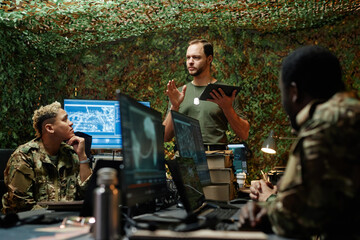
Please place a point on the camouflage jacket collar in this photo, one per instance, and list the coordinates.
(64, 150)
(307, 112)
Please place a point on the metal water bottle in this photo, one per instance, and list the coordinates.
(107, 200)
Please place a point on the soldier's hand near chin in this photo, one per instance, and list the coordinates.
(78, 143)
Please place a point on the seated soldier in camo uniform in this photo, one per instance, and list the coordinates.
(51, 167)
(318, 197)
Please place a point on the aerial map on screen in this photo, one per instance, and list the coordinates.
(93, 118)
(98, 118)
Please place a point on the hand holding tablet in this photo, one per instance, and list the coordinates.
(228, 90)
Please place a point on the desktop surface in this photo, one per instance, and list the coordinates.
(53, 230)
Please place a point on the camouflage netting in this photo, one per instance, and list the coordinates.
(66, 24)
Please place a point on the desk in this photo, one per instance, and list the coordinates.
(205, 234)
(52, 231)
(166, 233)
(43, 231)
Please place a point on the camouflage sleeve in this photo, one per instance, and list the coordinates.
(82, 186)
(311, 193)
(18, 176)
(290, 212)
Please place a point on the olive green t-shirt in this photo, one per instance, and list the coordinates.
(213, 122)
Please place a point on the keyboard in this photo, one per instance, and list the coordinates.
(33, 213)
(221, 213)
(108, 157)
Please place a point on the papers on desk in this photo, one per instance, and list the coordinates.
(62, 233)
(70, 228)
(199, 234)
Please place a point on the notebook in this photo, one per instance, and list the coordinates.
(190, 171)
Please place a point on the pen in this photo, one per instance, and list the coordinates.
(264, 176)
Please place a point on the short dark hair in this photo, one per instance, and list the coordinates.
(208, 47)
(315, 70)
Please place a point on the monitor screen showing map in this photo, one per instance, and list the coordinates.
(98, 118)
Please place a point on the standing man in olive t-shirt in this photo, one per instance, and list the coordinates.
(214, 115)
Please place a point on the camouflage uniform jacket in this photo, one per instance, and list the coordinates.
(32, 177)
(319, 193)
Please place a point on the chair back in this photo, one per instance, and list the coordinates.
(4, 157)
(88, 141)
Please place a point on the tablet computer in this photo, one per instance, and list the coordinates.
(228, 89)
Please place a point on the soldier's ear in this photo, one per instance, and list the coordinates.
(210, 59)
(48, 127)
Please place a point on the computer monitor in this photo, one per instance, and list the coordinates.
(144, 174)
(239, 162)
(98, 118)
(190, 144)
(88, 205)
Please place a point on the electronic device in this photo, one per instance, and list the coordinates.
(228, 90)
(97, 118)
(190, 144)
(187, 181)
(184, 174)
(239, 162)
(143, 173)
(88, 204)
(190, 171)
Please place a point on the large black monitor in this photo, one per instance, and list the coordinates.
(190, 144)
(144, 174)
(88, 205)
(97, 118)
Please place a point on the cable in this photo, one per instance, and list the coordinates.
(131, 223)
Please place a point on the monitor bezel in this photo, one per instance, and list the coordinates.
(145, 193)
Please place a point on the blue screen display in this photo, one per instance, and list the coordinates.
(98, 118)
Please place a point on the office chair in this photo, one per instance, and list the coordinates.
(4, 157)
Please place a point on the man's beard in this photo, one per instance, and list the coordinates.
(197, 73)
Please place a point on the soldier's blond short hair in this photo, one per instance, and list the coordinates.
(44, 113)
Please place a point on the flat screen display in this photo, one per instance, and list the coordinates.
(98, 118)
(144, 175)
(190, 144)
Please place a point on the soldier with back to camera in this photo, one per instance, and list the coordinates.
(319, 193)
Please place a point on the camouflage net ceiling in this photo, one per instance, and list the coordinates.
(65, 24)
